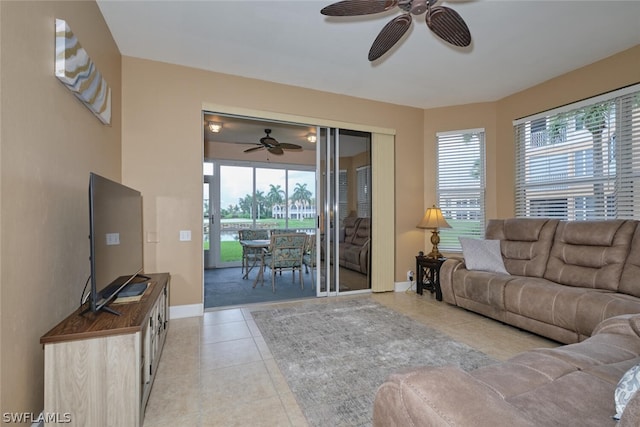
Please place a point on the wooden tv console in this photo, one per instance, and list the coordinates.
(99, 367)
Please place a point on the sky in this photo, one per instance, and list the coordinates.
(237, 181)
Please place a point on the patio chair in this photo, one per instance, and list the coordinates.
(282, 231)
(285, 253)
(309, 258)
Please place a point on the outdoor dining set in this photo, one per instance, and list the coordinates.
(277, 250)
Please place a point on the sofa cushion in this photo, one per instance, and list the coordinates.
(350, 227)
(573, 400)
(590, 254)
(481, 287)
(627, 387)
(483, 255)
(543, 300)
(525, 243)
(442, 397)
(596, 305)
(363, 232)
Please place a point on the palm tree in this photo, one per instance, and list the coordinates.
(595, 120)
(260, 203)
(275, 196)
(301, 194)
(246, 205)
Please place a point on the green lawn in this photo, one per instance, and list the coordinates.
(232, 250)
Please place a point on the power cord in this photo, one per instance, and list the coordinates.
(84, 297)
(410, 288)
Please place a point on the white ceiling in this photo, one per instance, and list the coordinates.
(515, 44)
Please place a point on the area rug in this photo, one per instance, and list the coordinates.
(336, 354)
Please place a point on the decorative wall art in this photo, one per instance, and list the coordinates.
(77, 71)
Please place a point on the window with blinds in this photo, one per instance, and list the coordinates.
(343, 196)
(581, 161)
(363, 175)
(461, 185)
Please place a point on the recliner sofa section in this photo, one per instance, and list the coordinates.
(572, 385)
(565, 277)
(354, 246)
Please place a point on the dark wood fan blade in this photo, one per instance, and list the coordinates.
(275, 150)
(287, 146)
(358, 7)
(390, 34)
(447, 24)
(268, 141)
(248, 150)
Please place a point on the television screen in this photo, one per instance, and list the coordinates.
(115, 214)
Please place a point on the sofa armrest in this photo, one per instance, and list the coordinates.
(364, 257)
(624, 324)
(445, 396)
(446, 278)
(631, 414)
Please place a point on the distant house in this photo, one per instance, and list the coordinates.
(294, 211)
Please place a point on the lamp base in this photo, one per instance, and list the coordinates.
(435, 254)
(435, 239)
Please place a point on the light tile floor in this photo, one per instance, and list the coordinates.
(217, 370)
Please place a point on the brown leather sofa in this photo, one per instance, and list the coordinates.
(574, 282)
(567, 386)
(565, 276)
(354, 244)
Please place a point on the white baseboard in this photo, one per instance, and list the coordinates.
(403, 286)
(189, 310)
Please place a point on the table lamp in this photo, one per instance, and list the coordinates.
(434, 220)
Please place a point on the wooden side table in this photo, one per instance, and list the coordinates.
(428, 275)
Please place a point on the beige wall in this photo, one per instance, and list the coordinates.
(49, 143)
(162, 126)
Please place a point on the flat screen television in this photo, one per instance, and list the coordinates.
(115, 221)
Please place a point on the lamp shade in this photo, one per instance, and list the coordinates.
(433, 219)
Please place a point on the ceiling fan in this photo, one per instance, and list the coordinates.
(273, 146)
(445, 22)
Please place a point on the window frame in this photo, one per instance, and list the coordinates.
(602, 160)
(452, 190)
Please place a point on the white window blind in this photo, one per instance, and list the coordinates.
(343, 199)
(363, 175)
(581, 161)
(461, 185)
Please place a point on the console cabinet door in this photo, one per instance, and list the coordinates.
(107, 369)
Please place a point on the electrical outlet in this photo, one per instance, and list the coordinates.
(410, 275)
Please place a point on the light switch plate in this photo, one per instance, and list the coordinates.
(185, 235)
(113, 239)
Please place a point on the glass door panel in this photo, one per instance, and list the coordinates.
(207, 215)
(236, 212)
(271, 198)
(301, 188)
(344, 162)
(328, 243)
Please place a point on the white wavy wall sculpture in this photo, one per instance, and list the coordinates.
(78, 72)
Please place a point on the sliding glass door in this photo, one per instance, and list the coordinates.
(344, 186)
(253, 196)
